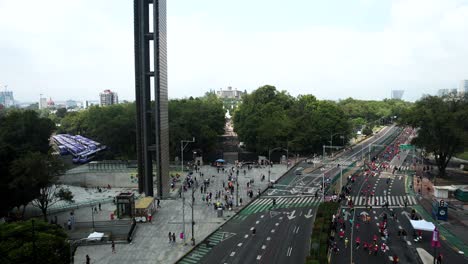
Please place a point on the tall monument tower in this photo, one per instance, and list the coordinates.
(152, 118)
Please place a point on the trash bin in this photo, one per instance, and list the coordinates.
(220, 212)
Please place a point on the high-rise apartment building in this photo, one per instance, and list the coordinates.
(6, 98)
(397, 94)
(463, 87)
(108, 98)
(42, 102)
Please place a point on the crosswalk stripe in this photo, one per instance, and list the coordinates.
(392, 200)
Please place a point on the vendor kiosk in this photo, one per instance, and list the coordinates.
(144, 208)
(125, 204)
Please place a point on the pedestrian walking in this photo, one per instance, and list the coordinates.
(173, 237)
(100, 207)
(170, 237)
(159, 202)
(113, 246)
(395, 259)
(346, 241)
(358, 242)
(439, 258)
(88, 259)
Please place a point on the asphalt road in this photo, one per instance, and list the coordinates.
(282, 231)
(387, 187)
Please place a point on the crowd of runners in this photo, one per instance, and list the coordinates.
(372, 243)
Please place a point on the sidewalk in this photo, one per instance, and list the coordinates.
(456, 223)
(150, 243)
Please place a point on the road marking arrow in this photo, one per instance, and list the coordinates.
(346, 215)
(291, 216)
(272, 192)
(364, 213)
(309, 214)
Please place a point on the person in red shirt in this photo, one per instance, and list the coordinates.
(341, 234)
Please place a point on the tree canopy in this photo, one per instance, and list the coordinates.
(202, 118)
(268, 119)
(20, 243)
(21, 133)
(442, 128)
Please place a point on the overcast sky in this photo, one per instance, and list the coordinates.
(332, 49)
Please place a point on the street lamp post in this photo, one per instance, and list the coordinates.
(92, 216)
(323, 186)
(331, 141)
(182, 147)
(193, 221)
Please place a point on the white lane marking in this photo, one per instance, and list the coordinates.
(289, 252)
(261, 216)
(272, 230)
(263, 246)
(399, 227)
(239, 245)
(246, 236)
(408, 242)
(281, 218)
(375, 217)
(233, 253)
(257, 222)
(252, 228)
(277, 224)
(259, 257)
(377, 224)
(297, 231)
(268, 238)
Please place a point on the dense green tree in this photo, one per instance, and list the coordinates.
(61, 112)
(267, 119)
(20, 243)
(376, 112)
(113, 126)
(441, 124)
(34, 176)
(262, 121)
(367, 131)
(21, 132)
(202, 118)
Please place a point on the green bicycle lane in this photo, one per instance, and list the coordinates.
(445, 234)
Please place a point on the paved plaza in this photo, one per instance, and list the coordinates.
(151, 243)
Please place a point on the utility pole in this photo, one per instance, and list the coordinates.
(237, 191)
(193, 221)
(182, 147)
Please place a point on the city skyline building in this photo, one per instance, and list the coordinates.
(463, 87)
(397, 94)
(7, 99)
(107, 97)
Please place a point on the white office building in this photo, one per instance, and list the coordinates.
(463, 87)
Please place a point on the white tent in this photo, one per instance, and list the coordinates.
(422, 225)
(95, 236)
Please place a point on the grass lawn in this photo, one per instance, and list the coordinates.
(463, 155)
